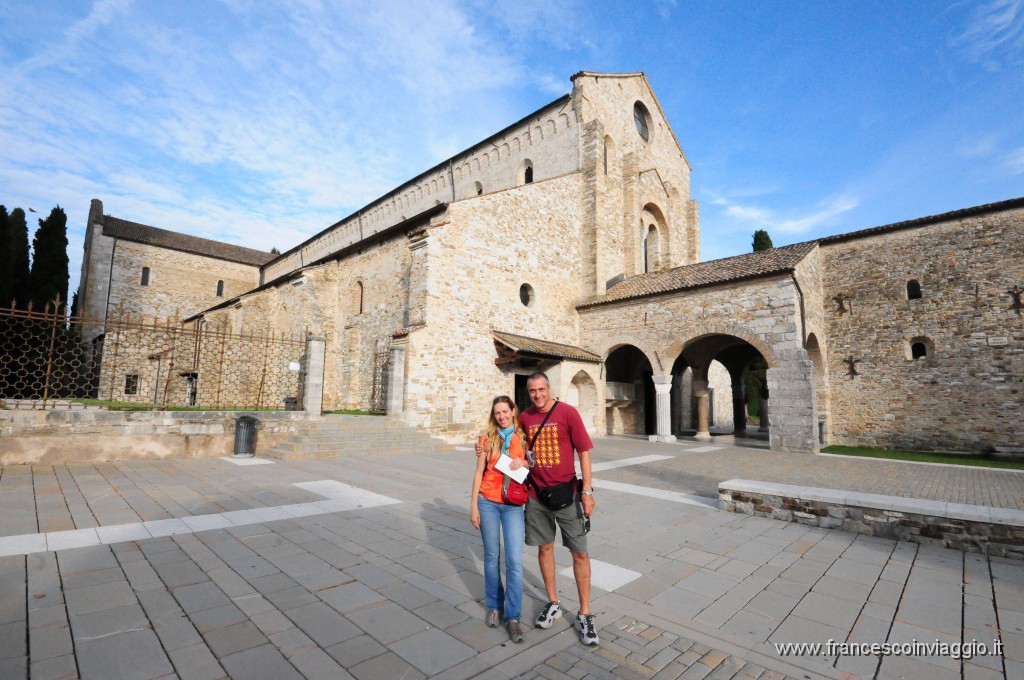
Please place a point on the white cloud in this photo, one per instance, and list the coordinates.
(995, 33)
(1014, 161)
(793, 220)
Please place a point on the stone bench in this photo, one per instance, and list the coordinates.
(971, 528)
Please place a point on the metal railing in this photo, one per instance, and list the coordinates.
(126, 361)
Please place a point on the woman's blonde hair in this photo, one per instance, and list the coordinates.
(493, 438)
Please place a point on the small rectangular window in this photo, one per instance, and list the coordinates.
(131, 384)
(220, 289)
(145, 276)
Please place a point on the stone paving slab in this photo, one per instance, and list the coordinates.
(395, 590)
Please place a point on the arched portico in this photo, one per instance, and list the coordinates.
(629, 392)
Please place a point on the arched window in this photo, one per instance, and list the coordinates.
(220, 289)
(921, 348)
(479, 188)
(643, 121)
(525, 172)
(145, 276)
(650, 249)
(359, 297)
(913, 290)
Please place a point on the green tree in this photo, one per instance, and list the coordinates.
(16, 267)
(5, 265)
(762, 241)
(49, 274)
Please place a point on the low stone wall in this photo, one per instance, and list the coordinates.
(970, 528)
(93, 435)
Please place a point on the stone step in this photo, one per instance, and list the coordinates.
(340, 435)
(411, 446)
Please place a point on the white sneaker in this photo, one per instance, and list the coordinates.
(587, 628)
(552, 611)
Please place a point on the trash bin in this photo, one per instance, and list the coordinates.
(245, 436)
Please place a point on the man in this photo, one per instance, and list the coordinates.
(554, 464)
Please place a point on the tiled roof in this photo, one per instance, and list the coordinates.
(923, 221)
(141, 233)
(741, 267)
(521, 343)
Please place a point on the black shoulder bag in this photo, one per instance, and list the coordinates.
(560, 495)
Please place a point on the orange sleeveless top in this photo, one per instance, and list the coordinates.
(490, 486)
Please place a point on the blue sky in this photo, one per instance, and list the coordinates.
(262, 123)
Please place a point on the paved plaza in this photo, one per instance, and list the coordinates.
(368, 567)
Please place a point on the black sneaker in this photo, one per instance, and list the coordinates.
(515, 632)
(587, 628)
(552, 611)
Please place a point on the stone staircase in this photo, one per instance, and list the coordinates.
(342, 435)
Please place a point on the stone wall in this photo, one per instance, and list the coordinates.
(968, 394)
(764, 313)
(630, 183)
(92, 436)
(179, 283)
(546, 140)
(970, 528)
(475, 265)
(325, 301)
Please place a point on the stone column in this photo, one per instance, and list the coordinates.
(396, 381)
(313, 382)
(700, 392)
(763, 415)
(739, 406)
(794, 418)
(663, 408)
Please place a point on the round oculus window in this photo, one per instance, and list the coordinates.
(526, 295)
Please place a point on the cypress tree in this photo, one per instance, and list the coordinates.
(49, 276)
(762, 241)
(17, 254)
(5, 265)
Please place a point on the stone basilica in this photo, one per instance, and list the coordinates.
(905, 335)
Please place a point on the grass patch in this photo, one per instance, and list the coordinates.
(980, 460)
(351, 412)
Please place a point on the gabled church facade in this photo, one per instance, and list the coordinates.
(568, 242)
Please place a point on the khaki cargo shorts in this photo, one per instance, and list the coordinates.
(540, 525)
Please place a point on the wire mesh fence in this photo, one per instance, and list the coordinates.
(51, 360)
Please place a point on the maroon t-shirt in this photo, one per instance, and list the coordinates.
(554, 450)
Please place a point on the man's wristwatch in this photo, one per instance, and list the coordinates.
(587, 492)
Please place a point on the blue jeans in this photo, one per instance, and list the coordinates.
(497, 519)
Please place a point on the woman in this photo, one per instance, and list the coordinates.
(493, 517)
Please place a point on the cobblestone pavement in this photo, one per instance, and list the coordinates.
(248, 572)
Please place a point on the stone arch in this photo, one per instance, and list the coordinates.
(623, 339)
(712, 327)
(629, 391)
(524, 175)
(552, 127)
(653, 216)
(819, 359)
(565, 117)
(582, 394)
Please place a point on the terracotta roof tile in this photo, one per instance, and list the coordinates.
(713, 272)
(521, 343)
(141, 233)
